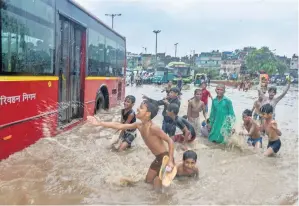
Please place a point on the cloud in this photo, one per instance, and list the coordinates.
(203, 25)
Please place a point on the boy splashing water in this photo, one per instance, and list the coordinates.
(127, 117)
(152, 135)
(270, 127)
(271, 100)
(253, 130)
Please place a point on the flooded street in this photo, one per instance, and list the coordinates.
(78, 167)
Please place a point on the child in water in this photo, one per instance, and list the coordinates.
(188, 168)
(195, 106)
(272, 93)
(153, 137)
(270, 127)
(253, 130)
(187, 129)
(127, 117)
(167, 88)
(256, 109)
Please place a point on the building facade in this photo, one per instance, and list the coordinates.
(208, 60)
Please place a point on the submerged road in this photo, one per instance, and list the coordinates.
(78, 167)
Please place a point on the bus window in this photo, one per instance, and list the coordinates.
(27, 37)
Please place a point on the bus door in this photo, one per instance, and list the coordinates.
(71, 59)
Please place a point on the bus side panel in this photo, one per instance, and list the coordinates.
(91, 89)
(32, 115)
(20, 136)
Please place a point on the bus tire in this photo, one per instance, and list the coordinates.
(100, 103)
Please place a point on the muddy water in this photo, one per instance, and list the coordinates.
(78, 167)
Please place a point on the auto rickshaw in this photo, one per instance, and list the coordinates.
(199, 78)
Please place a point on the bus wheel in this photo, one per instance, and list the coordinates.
(100, 103)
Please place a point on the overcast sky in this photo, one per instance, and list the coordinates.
(202, 25)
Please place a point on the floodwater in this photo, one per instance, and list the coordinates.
(78, 167)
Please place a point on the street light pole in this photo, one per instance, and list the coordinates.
(176, 44)
(156, 32)
(112, 17)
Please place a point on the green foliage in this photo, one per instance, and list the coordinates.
(264, 59)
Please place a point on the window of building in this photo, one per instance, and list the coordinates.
(27, 37)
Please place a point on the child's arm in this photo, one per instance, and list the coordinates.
(189, 110)
(274, 126)
(159, 102)
(212, 115)
(253, 108)
(159, 132)
(210, 96)
(204, 110)
(277, 99)
(186, 133)
(113, 125)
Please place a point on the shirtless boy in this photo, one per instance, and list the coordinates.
(153, 137)
(195, 106)
(256, 109)
(271, 100)
(271, 129)
(188, 168)
(253, 130)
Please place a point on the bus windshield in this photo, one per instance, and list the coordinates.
(183, 71)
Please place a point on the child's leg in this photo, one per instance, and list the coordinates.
(157, 184)
(127, 140)
(151, 175)
(269, 152)
(257, 146)
(123, 146)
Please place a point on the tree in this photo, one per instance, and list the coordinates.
(264, 59)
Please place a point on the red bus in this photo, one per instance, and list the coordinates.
(59, 64)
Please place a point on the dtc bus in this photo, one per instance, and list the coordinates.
(181, 69)
(59, 64)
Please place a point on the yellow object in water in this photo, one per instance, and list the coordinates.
(164, 175)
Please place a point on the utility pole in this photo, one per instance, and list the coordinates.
(175, 45)
(156, 32)
(112, 17)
